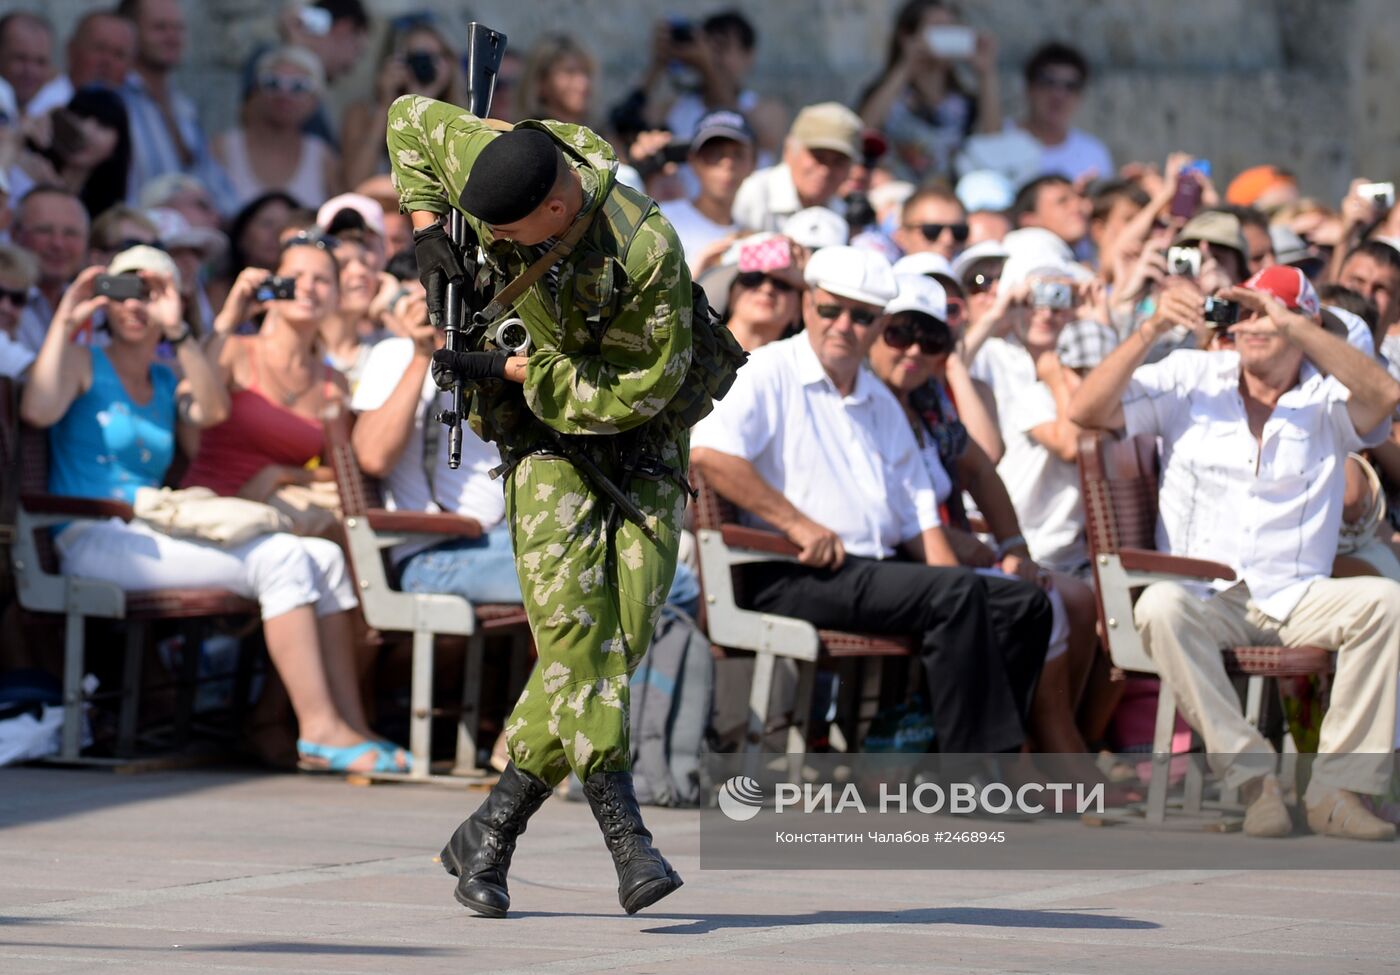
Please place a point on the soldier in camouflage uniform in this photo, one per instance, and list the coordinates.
(610, 326)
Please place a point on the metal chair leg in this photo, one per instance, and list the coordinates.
(759, 693)
(1161, 755)
(73, 627)
(420, 726)
(131, 689)
(469, 724)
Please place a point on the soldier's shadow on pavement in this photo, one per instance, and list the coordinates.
(979, 916)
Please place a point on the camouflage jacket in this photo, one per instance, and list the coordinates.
(609, 354)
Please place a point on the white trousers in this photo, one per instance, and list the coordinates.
(281, 571)
(1358, 617)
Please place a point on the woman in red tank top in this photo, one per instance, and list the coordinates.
(280, 389)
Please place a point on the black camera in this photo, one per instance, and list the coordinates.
(422, 66)
(1220, 312)
(682, 31)
(277, 289)
(120, 287)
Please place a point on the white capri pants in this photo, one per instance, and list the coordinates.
(282, 572)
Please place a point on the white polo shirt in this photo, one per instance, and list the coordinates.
(1277, 527)
(469, 490)
(850, 463)
(767, 197)
(1044, 489)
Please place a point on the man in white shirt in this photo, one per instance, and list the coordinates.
(722, 157)
(52, 225)
(821, 147)
(1253, 446)
(101, 51)
(26, 55)
(396, 401)
(810, 443)
(1055, 78)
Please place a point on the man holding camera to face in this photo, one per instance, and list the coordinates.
(1263, 436)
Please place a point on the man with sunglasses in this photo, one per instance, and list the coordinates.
(821, 147)
(932, 220)
(1253, 447)
(17, 275)
(1055, 76)
(811, 443)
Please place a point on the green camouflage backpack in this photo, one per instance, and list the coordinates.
(715, 354)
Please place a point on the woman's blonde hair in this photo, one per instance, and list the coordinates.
(547, 52)
(18, 266)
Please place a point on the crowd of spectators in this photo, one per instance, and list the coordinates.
(938, 300)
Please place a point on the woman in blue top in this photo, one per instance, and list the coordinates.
(114, 415)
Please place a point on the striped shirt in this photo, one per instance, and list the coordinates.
(1270, 509)
(154, 152)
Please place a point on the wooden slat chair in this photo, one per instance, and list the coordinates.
(725, 545)
(370, 532)
(42, 589)
(1119, 481)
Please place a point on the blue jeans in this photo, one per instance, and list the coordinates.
(482, 570)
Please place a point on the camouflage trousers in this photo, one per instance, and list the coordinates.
(593, 597)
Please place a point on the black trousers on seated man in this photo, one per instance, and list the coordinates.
(983, 638)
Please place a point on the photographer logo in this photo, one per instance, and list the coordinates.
(740, 798)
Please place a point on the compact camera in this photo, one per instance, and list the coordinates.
(1381, 195)
(1221, 312)
(277, 289)
(1052, 294)
(120, 287)
(1184, 261)
(951, 42)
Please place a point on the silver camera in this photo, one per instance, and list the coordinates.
(1052, 294)
(1184, 261)
(509, 335)
(1381, 195)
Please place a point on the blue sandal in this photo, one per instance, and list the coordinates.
(341, 760)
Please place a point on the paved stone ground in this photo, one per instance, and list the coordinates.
(199, 871)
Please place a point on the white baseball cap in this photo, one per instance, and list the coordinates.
(925, 262)
(817, 227)
(980, 251)
(921, 294)
(852, 272)
(175, 231)
(1028, 240)
(985, 189)
(368, 209)
(143, 257)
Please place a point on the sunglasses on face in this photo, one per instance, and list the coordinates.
(930, 342)
(323, 242)
(859, 316)
(1058, 81)
(17, 298)
(287, 84)
(932, 231)
(981, 282)
(755, 279)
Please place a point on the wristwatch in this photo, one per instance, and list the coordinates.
(182, 336)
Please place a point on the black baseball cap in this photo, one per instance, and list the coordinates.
(722, 123)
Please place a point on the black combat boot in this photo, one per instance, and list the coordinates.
(643, 875)
(479, 852)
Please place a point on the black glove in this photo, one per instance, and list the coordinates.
(450, 367)
(438, 264)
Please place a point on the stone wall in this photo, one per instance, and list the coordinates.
(1303, 83)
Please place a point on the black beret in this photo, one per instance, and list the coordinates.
(511, 176)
